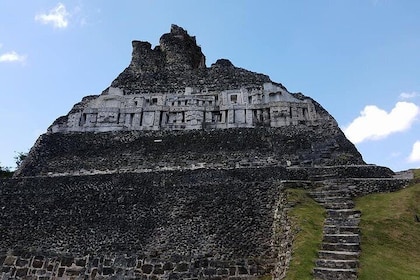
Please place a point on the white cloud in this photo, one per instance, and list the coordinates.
(415, 153)
(12, 57)
(394, 155)
(375, 123)
(409, 95)
(57, 16)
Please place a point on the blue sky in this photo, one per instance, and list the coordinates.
(359, 58)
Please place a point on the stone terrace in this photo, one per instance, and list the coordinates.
(167, 223)
(89, 153)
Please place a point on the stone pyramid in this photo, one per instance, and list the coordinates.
(175, 171)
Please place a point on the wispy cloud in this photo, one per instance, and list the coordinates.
(375, 123)
(79, 16)
(409, 95)
(12, 57)
(58, 17)
(394, 155)
(415, 153)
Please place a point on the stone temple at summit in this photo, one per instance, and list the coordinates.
(178, 170)
(170, 88)
(266, 105)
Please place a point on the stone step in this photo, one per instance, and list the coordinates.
(333, 229)
(334, 187)
(341, 238)
(317, 192)
(322, 177)
(333, 199)
(329, 185)
(343, 213)
(343, 264)
(339, 205)
(321, 273)
(340, 249)
(337, 255)
(342, 221)
(348, 247)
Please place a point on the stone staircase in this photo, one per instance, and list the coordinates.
(340, 249)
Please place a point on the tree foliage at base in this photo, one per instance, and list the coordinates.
(5, 172)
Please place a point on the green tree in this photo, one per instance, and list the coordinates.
(5, 172)
(19, 158)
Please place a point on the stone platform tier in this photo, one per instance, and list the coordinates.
(202, 224)
(87, 153)
(194, 224)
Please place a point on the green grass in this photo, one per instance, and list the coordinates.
(389, 230)
(416, 175)
(390, 234)
(307, 218)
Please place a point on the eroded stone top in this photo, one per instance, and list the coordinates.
(178, 62)
(169, 87)
(177, 51)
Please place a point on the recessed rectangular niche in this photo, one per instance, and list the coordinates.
(82, 119)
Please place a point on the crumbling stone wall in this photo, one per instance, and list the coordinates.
(361, 187)
(87, 153)
(217, 224)
(192, 224)
(27, 266)
(178, 62)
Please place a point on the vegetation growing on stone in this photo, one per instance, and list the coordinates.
(5, 172)
(307, 218)
(390, 234)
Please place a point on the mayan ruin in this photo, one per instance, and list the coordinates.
(178, 170)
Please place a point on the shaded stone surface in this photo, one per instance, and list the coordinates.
(163, 150)
(166, 214)
(161, 224)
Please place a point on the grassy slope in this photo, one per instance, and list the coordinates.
(390, 234)
(307, 218)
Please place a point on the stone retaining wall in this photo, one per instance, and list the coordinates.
(137, 151)
(191, 224)
(128, 267)
(363, 187)
(217, 224)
